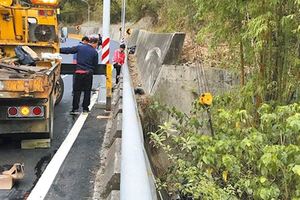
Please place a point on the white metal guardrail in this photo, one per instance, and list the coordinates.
(137, 182)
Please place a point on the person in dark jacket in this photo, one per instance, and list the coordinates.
(87, 60)
(84, 40)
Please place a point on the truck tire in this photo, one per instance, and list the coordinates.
(59, 87)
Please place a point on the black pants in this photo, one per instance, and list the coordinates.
(82, 83)
(118, 69)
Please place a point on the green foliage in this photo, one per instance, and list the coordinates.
(171, 15)
(178, 15)
(244, 160)
(75, 11)
(267, 32)
(137, 9)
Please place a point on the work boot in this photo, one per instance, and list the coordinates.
(74, 112)
(86, 111)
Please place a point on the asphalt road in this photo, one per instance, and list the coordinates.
(76, 175)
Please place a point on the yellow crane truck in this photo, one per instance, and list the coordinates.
(30, 84)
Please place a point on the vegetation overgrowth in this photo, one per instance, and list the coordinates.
(245, 159)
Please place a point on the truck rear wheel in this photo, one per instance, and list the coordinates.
(59, 87)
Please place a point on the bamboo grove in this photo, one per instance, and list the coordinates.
(266, 33)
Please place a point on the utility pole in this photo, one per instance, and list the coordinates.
(105, 57)
(105, 33)
(123, 14)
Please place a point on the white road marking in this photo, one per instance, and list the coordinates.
(43, 185)
(64, 76)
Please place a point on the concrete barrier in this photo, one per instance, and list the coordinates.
(133, 38)
(152, 51)
(175, 49)
(118, 108)
(111, 178)
(117, 94)
(116, 129)
(114, 195)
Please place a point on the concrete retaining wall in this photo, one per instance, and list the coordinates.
(156, 54)
(133, 38)
(179, 85)
(152, 51)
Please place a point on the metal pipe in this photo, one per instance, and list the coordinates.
(106, 18)
(136, 177)
(123, 14)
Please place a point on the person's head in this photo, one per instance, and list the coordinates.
(94, 42)
(122, 47)
(85, 40)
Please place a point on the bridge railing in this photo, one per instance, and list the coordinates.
(137, 180)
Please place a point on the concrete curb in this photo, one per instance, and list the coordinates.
(116, 129)
(108, 175)
(117, 108)
(114, 195)
(116, 97)
(111, 178)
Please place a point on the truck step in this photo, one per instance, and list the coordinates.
(35, 144)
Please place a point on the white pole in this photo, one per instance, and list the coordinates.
(105, 50)
(123, 19)
(105, 33)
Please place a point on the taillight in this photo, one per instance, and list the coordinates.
(26, 112)
(37, 110)
(50, 12)
(12, 111)
(46, 12)
(42, 13)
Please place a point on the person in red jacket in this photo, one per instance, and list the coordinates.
(118, 60)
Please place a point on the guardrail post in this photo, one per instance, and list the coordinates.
(108, 86)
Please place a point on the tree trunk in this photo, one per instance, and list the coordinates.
(279, 55)
(242, 67)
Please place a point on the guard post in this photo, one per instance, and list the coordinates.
(108, 86)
